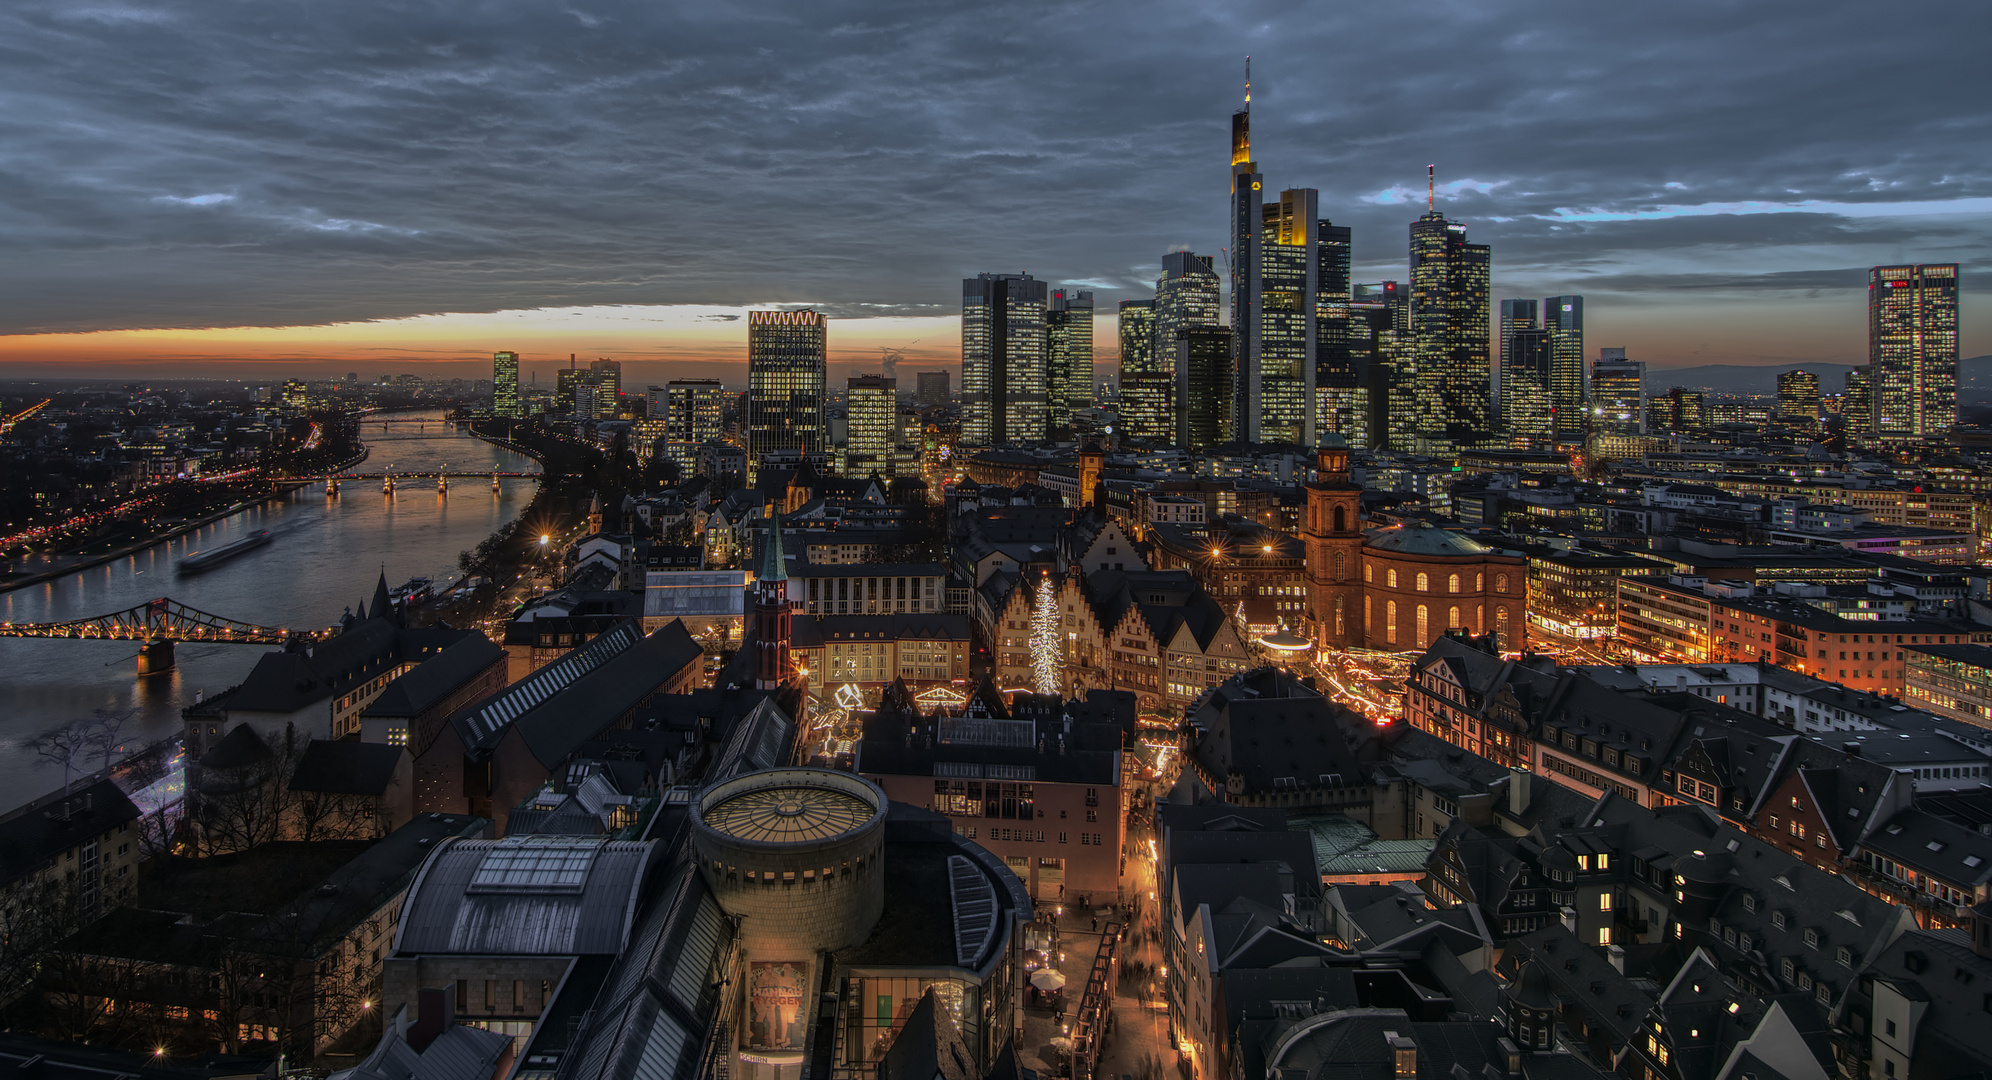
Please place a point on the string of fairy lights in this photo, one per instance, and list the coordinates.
(1046, 657)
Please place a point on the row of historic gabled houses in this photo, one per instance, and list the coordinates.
(1156, 633)
(1824, 804)
(1108, 620)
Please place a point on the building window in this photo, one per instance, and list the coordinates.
(1424, 582)
(1390, 577)
(1453, 586)
(1421, 622)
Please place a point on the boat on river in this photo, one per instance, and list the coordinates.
(207, 560)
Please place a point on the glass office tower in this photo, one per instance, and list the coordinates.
(785, 383)
(1912, 350)
(1618, 394)
(1147, 382)
(505, 386)
(1563, 317)
(1003, 351)
(1204, 385)
(1798, 397)
(1068, 356)
(1449, 316)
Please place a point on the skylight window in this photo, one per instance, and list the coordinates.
(536, 867)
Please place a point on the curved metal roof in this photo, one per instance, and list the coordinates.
(1424, 540)
(520, 897)
(789, 814)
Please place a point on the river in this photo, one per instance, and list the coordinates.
(324, 558)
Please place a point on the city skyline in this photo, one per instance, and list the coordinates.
(1671, 180)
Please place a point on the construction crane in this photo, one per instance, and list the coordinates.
(7, 424)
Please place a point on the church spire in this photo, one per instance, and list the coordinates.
(774, 564)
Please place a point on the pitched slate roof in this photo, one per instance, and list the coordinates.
(557, 727)
(344, 767)
(434, 679)
(1584, 980)
(1289, 733)
(1935, 846)
(482, 725)
(34, 834)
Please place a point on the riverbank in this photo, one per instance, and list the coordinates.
(79, 563)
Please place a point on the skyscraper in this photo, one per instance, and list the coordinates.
(1516, 315)
(1341, 393)
(604, 378)
(1147, 382)
(1002, 359)
(1679, 410)
(1798, 397)
(1527, 409)
(1068, 323)
(1857, 403)
(785, 383)
(1277, 286)
(1204, 408)
(566, 387)
(695, 409)
(1618, 394)
(1912, 349)
(872, 410)
(933, 388)
(1187, 294)
(505, 386)
(1381, 349)
(1563, 317)
(1449, 316)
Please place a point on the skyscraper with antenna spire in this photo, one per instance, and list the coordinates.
(1450, 328)
(1284, 307)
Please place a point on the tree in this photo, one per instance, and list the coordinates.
(63, 747)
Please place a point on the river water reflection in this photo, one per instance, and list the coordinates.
(325, 557)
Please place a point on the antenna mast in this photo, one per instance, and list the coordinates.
(1248, 82)
(1430, 189)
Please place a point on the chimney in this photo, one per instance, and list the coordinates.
(1518, 791)
(1616, 955)
(438, 1012)
(1403, 1056)
(1569, 917)
(1681, 683)
(1853, 749)
(1511, 1056)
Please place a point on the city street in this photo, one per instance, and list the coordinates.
(1136, 1042)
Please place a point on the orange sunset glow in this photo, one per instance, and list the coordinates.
(655, 343)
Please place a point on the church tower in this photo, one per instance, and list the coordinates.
(1333, 537)
(771, 615)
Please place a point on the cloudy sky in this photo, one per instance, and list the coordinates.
(371, 183)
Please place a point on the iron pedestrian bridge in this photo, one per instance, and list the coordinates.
(423, 474)
(157, 625)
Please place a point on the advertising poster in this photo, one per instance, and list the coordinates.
(775, 997)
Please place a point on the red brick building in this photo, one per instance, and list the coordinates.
(1418, 582)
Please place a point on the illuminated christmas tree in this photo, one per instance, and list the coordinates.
(1044, 637)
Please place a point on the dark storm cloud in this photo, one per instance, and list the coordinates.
(223, 162)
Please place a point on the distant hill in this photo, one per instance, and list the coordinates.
(1974, 378)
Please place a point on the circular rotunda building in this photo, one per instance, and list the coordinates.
(797, 854)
